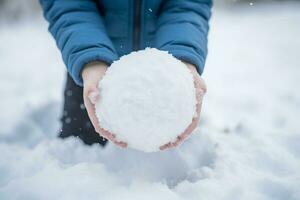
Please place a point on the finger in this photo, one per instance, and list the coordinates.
(94, 97)
(198, 108)
(165, 146)
(107, 134)
(89, 101)
(91, 113)
(121, 144)
(92, 92)
(201, 83)
(201, 89)
(103, 132)
(112, 137)
(188, 131)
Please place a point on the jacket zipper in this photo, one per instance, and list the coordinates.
(136, 25)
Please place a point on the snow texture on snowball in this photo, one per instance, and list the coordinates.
(147, 99)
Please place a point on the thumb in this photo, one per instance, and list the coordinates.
(93, 95)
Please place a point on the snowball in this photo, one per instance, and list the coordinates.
(147, 99)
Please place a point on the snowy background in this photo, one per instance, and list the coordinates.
(246, 147)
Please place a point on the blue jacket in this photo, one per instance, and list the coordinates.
(104, 30)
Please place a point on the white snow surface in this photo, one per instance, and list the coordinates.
(246, 147)
(147, 99)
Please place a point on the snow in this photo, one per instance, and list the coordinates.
(148, 98)
(246, 147)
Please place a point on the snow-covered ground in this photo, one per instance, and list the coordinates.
(247, 146)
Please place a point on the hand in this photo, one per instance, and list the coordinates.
(91, 75)
(200, 91)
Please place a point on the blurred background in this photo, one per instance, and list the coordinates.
(250, 135)
(250, 41)
(253, 56)
(20, 10)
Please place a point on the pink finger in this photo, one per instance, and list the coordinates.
(94, 97)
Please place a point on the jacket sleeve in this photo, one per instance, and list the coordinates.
(183, 29)
(80, 34)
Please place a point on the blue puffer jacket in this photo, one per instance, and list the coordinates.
(92, 30)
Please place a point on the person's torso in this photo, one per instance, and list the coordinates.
(130, 24)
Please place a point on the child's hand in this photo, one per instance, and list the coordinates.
(200, 91)
(91, 75)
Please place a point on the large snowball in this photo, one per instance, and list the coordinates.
(147, 99)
